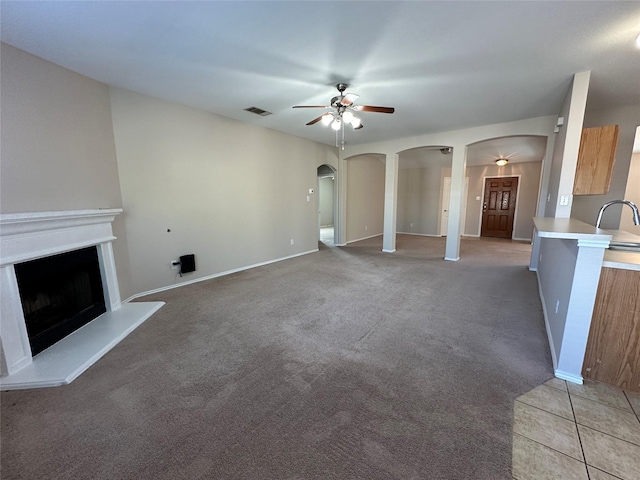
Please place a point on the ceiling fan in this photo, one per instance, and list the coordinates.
(342, 111)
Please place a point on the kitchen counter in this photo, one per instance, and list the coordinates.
(568, 256)
(572, 229)
(622, 260)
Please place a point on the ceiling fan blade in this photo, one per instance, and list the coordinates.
(369, 108)
(359, 127)
(315, 120)
(312, 106)
(348, 99)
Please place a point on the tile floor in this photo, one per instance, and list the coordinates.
(566, 431)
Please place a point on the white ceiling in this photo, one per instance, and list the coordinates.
(442, 65)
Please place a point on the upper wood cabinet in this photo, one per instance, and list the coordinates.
(595, 160)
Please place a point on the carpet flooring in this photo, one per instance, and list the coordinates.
(348, 363)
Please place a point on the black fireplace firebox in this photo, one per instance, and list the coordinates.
(60, 294)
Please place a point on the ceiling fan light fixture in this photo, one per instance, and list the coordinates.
(501, 162)
(327, 118)
(337, 123)
(356, 122)
(348, 116)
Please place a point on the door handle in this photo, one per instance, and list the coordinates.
(484, 207)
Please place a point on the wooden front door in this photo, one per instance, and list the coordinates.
(499, 207)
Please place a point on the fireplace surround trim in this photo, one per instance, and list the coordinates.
(27, 236)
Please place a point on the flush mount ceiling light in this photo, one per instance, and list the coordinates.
(343, 112)
(501, 162)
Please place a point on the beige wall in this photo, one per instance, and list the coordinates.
(326, 197)
(365, 196)
(57, 148)
(57, 141)
(419, 198)
(231, 193)
(632, 194)
(585, 207)
(527, 195)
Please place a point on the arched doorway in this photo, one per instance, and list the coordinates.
(327, 215)
(503, 198)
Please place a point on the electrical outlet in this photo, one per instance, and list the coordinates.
(411, 224)
(292, 242)
(366, 228)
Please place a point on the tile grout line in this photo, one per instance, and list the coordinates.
(543, 410)
(610, 406)
(575, 421)
(549, 448)
(608, 434)
(606, 404)
(632, 409)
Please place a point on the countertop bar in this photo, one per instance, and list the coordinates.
(570, 228)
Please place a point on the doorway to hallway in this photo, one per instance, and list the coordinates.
(326, 205)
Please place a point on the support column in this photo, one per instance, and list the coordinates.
(580, 309)
(340, 233)
(452, 251)
(390, 203)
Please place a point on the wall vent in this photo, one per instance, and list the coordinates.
(258, 111)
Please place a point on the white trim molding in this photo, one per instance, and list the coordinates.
(30, 236)
(215, 275)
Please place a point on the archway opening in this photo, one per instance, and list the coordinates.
(327, 214)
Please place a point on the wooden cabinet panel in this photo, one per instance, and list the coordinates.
(595, 160)
(613, 348)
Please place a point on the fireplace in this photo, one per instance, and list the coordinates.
(60, 307)
(59, 294)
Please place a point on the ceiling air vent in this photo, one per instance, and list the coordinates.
(258, 111)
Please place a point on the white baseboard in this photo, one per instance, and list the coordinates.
(569, 377)
(215, 275)
(470, 235)
(452, 259)
(364, 238)
(420, 234)
(548, 328)
(522, 239)
(388, 251)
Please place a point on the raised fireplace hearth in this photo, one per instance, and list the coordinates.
(60, 307)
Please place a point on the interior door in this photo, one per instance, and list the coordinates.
(499, 207)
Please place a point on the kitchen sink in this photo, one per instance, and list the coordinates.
(624, 246)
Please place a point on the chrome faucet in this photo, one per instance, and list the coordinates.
(636, 214)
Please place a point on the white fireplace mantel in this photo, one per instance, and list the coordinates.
(28, 236)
